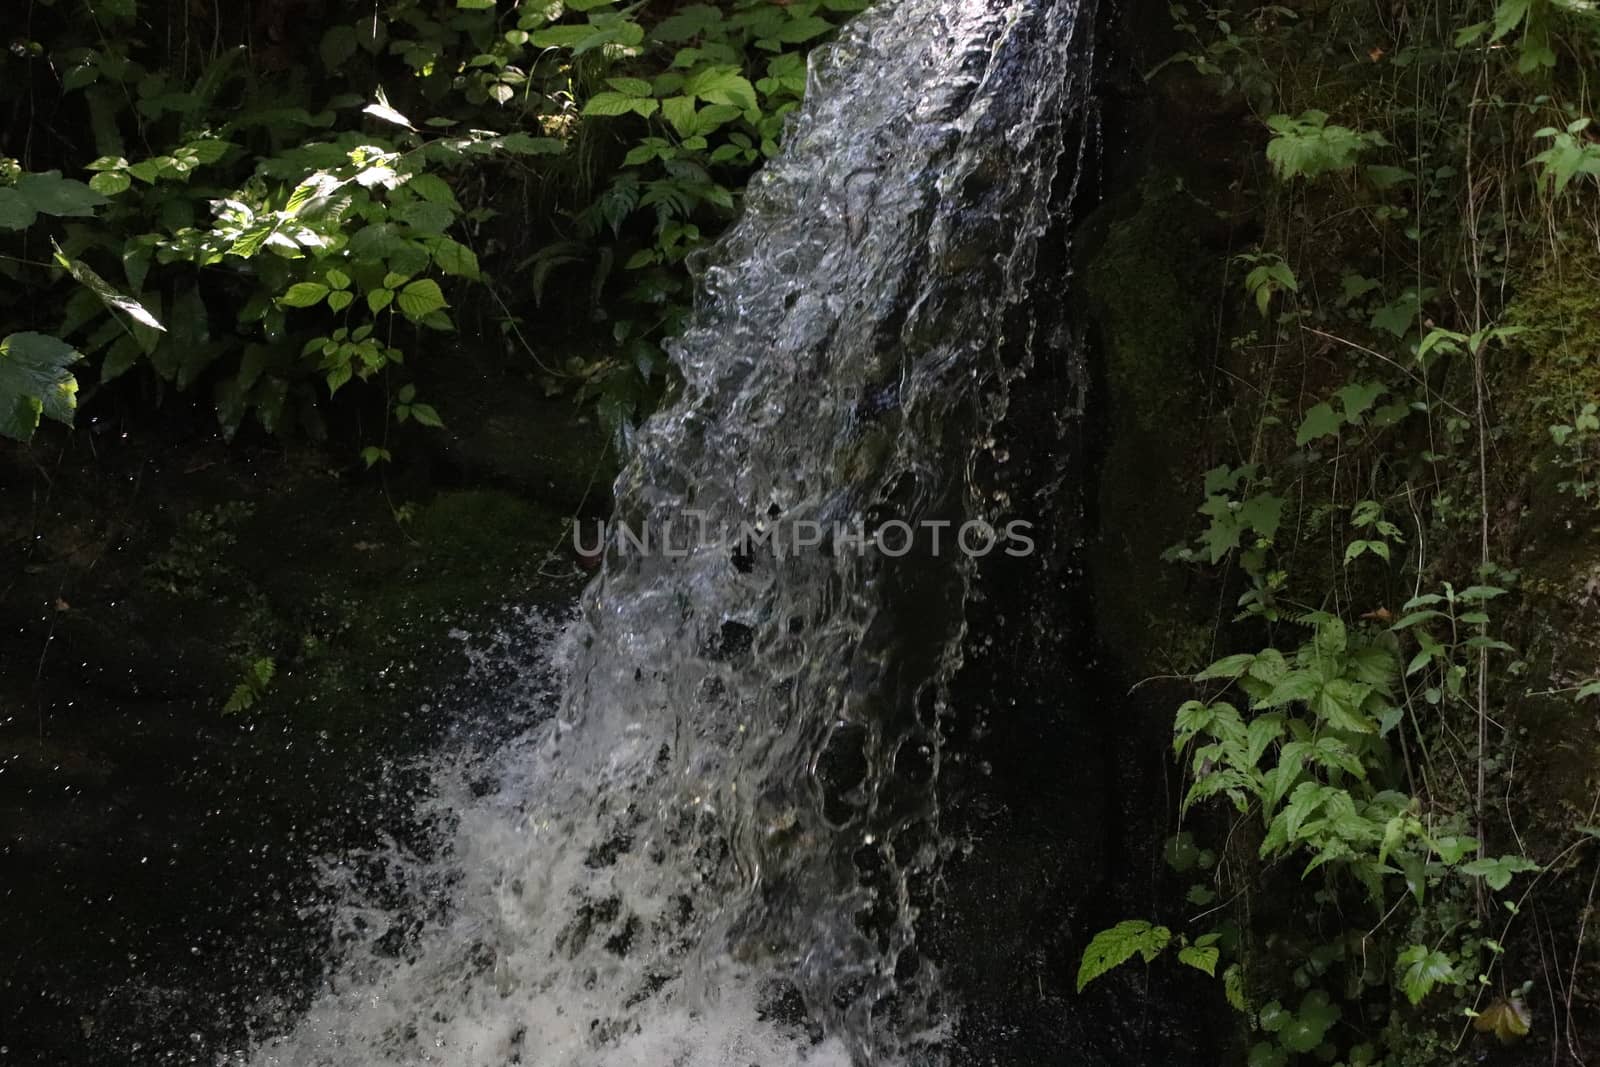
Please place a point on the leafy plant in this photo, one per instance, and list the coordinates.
(263, 212)
(252, 687)
(1308, 147)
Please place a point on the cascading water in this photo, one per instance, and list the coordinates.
(716, 850)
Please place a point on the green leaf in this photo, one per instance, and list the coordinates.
(1266, 1054)
(1262, 513)
(338, 45)
(1399, 317)
(1113, 947)
(630, 86)
(1357, 397)
(1452, 848)
(35, 382)
(426, 415)
(1320, 421)
(1227, 667)
(1310, 1025)
(1201, 959)
(1508, 15)
(722, 85)
(1424, 969)
(304, 295)
(15, 211)
(108, 294)
(679, 111)
(609, 103)
(1386, 177)
(51, 194)
(433, 189)
(687, 23)
(425, 217)
(1307, 147)
(1497, 873)
(800, 30)
(111, 182)
(1338, 703)
(421, 298)
(455, 258)
(562, 36)
(1233, 988)
(208, 150)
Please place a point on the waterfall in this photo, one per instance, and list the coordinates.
(716, 848)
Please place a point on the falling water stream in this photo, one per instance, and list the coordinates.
(717, 847)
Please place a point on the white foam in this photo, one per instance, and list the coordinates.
(509, 975)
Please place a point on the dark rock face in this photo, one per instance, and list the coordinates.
(1057, 798)
(155, 853)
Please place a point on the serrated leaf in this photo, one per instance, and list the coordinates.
(630, 86)
(433, 189)
(35, 383)
(425, 217)
(1424, 969)
(1320, 421)
(687, 23)
(679, 111)
(421, 298)
(49, 193)
(455, 258)
(722, 85)
(1113, 947)
(1497, 873)
(304, 295)
(610, 104)
(1201, 959)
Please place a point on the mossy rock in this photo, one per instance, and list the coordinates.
(485, 524)
(1553, 372)
(1139, 289)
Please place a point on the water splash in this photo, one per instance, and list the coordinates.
(717, 849)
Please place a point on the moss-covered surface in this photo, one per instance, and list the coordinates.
(1149, 267)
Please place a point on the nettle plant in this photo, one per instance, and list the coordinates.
(698, 99)
(36, 369)
(1306, 746)
(272, 237)
(350, 233)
